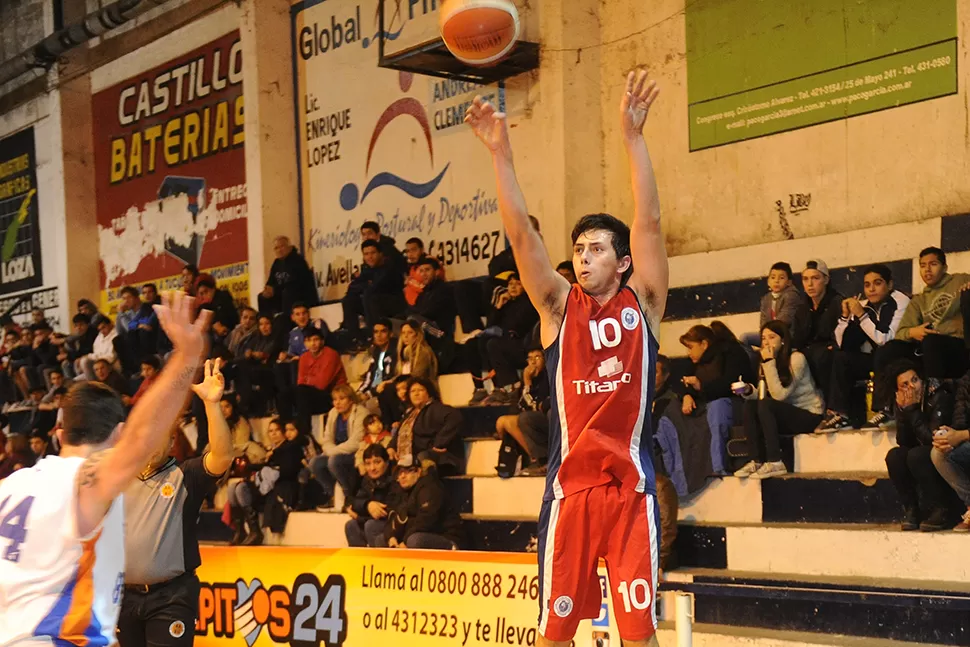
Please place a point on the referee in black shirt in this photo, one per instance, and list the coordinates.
(161, 545)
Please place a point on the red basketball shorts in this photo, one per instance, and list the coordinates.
(618, 525)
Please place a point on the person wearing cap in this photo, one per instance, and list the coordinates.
(161, 597)
(825, 309)
(935, 320)
(420, 514)
(103, 347)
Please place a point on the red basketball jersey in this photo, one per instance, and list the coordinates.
(601, 369)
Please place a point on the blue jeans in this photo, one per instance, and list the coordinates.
(430, 541)
(955, 469)
(369, 533)
(339, 468)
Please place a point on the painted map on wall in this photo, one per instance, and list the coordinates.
(758, 67)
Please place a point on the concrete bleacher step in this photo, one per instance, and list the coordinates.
(865, 607)
(846, 451)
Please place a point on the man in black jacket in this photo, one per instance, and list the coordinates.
(370, 230)
(369, 509)
(225, 317)
(921, 409)
(378, 292)
(825, 308)
(435, 306)
(502, 345)
(422, 515)
(290, 280)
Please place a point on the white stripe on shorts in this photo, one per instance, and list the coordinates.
(654, 554)
(547, 560)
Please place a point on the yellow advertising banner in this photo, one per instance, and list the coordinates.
(373, 598)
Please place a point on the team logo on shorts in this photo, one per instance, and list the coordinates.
(168, 491)
(176, 629)
(563, 606)
(630, 318)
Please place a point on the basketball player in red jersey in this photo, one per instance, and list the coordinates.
(601, 346)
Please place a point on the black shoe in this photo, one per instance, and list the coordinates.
(238, 520)
(910, 518)
(935, 520)
(255, 536)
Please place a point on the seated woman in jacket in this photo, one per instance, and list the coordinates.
(922, 407)
(254, 361)
(338, 442)
(243, 443)
(793, 403)
(368, 511)
(430, 430)
(694, 429)
(421, 515)
(415, 358)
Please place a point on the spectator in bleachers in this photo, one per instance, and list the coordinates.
(934, 322)
(243, 443)
(149, 294)
(39, 444)
(78, 345)
(421, 515)
(103, 348)
(376, 293)
(374, 434)
(693, 433)
(243, 496)
(435, 304)
(138, 328)
(57, 381)
(254, 363)
(107, 375)
(865, 327)
(368, 511)
(246, 328)
(37, 316)
(825, 307)
(394, 405)
(430, 430)
(380, 371)
(279, 482)
(43, 357)
(951, 450)
(290, 280)
(320, 370)
(150, 368)
(502, 345)
(529, 427)
(414, 355)
(667, 500)
(565, 270)
(783, 302)
(414, 284)
(20, 357)
(88, 309)
(286, 366)
(921, 408)
(794, 406)
(225, 317)
(190, 273)
(339, 440)
(16, 454)
(370, 230)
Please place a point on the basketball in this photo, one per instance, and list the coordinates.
(479, 32)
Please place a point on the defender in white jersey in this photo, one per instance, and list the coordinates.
(62, 552)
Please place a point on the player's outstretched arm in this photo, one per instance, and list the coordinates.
(545, 287)
(106, 474)
(650, 272)
(219, 457)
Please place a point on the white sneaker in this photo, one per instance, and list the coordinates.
(768, 470)
(747, 470)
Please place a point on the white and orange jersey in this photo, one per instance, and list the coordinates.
(601, 370)
(57, 588)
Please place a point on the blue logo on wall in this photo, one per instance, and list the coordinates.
(350, 194)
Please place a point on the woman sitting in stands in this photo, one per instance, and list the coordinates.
(791, 403)
(415, 358)
(339, 441)
(420, 515)
(694, 429)
(922, 407)
(369, 509)
(431, 430)
(242, 433)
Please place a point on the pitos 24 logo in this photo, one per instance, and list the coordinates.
(307, 614)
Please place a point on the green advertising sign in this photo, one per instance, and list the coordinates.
(758, 67)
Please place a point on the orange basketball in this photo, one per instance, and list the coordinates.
(479, 32)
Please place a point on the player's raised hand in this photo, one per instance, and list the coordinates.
(213, 383)
(489, 124)
(638, 96)
(175, 314)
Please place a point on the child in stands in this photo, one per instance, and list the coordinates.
(783, 302)
(374, 434)
(792, 402)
